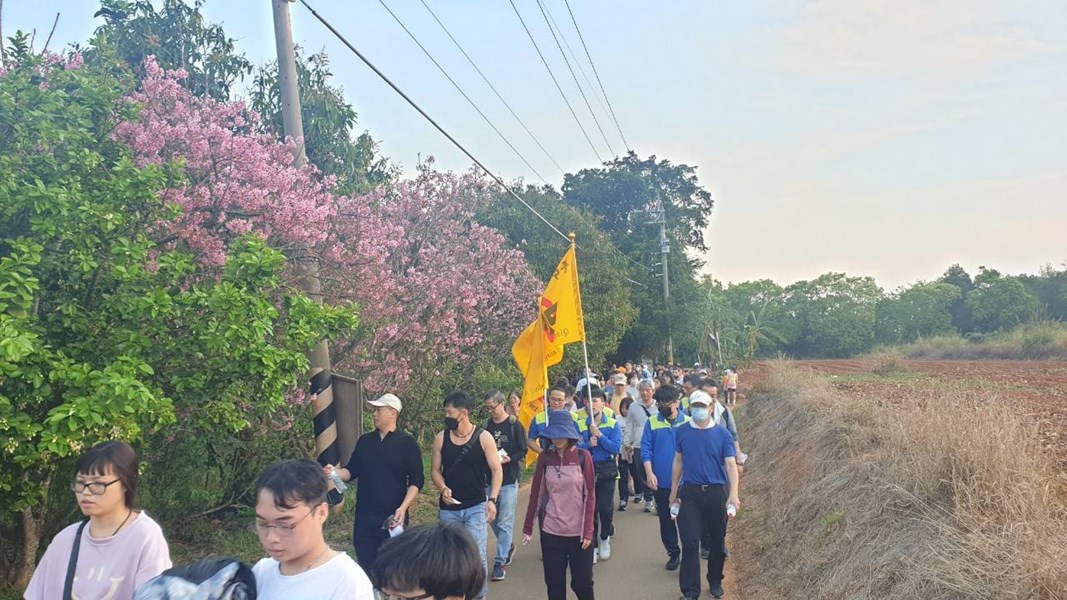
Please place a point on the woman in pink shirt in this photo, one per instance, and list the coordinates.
(563, 496)
(119, 548)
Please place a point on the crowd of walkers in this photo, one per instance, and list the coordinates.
(658, 440)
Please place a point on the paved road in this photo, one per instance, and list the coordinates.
(635, 571)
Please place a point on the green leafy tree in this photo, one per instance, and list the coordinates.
(1049, 287)
(834, 314)
(922, 310)
(998, 302)
(330, 140)
(962, 318)
(105, 333)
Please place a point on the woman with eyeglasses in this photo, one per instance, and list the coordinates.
(440, 562)
(291, 511)
(113, 551)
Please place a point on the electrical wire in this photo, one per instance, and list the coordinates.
(574, 57)
(555, 81)
(596, 74)
(491, 86)
(581, 91)
(460, 90)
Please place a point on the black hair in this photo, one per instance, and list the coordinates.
(459, 400)
(563, 382)
(442, 560)
(495, 396)
(597, 392)
(692, 380)
(294, 482)
(709, 382)
(625, 403)
(122, 460)
(665, 394)
(560, 388)
(570, 389)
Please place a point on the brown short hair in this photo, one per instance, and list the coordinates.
(122, 460)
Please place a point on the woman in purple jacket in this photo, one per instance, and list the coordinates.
(563, 497)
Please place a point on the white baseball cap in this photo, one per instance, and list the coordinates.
(699, 397)
(387, 400)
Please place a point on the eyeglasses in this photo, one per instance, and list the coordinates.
(95, 488)
(282, 529)
(380, 595)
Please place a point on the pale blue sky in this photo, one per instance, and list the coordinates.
(875, 137)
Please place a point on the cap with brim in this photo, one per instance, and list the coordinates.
(699, 398)
(619, 380)
(561, 426)
(387, 400)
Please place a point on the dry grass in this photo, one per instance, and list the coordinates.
(948, 496)
(1031, 341)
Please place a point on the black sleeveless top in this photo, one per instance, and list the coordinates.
(468, 477)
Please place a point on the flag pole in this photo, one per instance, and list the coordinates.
(585, 348)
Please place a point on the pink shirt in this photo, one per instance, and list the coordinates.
(108, 569)
(563, 494)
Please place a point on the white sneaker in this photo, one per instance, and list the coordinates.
(596, 555)
(649, 505)
(605, 548)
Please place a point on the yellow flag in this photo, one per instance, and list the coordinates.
(559, 316)
(533, 390)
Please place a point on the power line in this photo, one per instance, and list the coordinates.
(487, 82)
(448, 136)
(426, 116)
(592, 64)
(577, 63)
(460, 90)
(567, 62)
(555, 81)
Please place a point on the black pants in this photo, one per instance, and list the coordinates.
(641, 482)
(558, 552)
(701, 505)
(624, 480)
(368, 535)
(668, 528)
(604, 515)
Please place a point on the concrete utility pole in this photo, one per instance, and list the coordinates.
(325, 420)
(658, 216)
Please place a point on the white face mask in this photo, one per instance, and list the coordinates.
(700, 413)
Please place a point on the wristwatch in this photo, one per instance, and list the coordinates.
(493, 500)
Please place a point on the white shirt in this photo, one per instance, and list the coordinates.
(339, 578)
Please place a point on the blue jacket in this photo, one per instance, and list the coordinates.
(609, 444)
(658, 446)
(539, 422)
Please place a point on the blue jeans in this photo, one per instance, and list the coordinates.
(504, 523)
(473, 520)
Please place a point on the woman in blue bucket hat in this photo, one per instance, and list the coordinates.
(563, 497)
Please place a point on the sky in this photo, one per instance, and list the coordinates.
(872, 137)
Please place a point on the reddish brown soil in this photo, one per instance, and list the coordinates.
(1035, 388)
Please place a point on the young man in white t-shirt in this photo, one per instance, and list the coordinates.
(291, 510)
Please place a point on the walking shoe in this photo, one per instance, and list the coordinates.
(705, 553)
(622, 506)
(596, 555)
(673, 562)
(716, 590)
(605, 548)
(649, 504)
(638, 498)
(498, 573)
(511, 555)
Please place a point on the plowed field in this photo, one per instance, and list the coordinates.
(1034, 388)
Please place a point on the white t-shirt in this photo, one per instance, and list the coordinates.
(339, 578)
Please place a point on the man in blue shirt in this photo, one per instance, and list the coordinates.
(602, 437)
(703, 481)
(657, 457)
(557, 400)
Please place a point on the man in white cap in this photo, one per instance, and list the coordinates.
(387, 464)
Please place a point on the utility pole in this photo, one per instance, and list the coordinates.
(325, 419)
(658, 216)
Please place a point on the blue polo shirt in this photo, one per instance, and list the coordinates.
(540, 422)
(704, 453)
(610, 441)
(658, 446)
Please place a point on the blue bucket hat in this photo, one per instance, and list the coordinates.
(560, 426)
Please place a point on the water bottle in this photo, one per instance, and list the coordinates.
(338, 484)
(675, 507)
(731, 509)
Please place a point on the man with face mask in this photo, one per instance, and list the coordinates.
(463, 464)
(703, 483)
(640, 412)
(657, 457)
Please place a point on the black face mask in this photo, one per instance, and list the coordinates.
(451, 423)
(665, 411)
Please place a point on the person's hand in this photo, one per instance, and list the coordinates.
(673, 499)
(653, 483)
(490, 511)
(735, 501)
(593, 441)
(399, 515)
(526, 538)
(505, 460)
(593, 429)
(446, 495)
(586, 544)
(328, 469)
